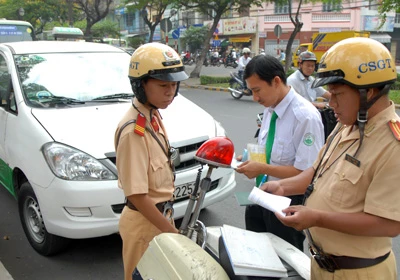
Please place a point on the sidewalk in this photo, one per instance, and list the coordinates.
(4, 275)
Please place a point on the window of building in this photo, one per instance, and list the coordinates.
(130, 19)
(281, 9)
(332, 6)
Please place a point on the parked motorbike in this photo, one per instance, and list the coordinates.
(236, 86)
(230, 61)
(199, 252)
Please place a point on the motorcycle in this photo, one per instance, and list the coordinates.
(188, 61)
(215, 61)
(229, 61)
(199, 252)
(236, 86)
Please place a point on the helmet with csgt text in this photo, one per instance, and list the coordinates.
(307, 56)
(157, 61)
(359, 62)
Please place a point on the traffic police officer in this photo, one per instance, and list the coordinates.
(145, 171)
(352, 211)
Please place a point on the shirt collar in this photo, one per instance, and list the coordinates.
(281, 108)
(301, 76)
(376, 121)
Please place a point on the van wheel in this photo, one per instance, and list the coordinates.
(32, 222)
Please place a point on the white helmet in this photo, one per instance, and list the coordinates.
(246, 50)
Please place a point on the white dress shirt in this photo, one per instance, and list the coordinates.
(303, 86)
(299, 133)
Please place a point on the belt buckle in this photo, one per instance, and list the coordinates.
(324, 260)
(168, 210)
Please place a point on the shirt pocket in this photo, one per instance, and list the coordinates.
(161, 173)
(345, 189)
(283, 152)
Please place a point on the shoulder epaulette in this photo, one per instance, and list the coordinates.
(395, 128)
(140, 125)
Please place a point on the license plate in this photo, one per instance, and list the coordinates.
(184, 190)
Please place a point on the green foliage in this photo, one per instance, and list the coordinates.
(106, 28)
(388, 6)
(290, 71)
(135, 42)
(207, 80)
(394, 95)
(38, 13)
(195, 37)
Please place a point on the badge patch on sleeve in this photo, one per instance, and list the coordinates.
(308, 139)
(140, 125)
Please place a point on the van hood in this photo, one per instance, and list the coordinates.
(91, 128)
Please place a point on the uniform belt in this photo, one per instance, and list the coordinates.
(332, 263)
(160, 206)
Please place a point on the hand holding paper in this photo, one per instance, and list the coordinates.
(274, 203)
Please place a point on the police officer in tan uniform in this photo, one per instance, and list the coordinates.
(352, 211)
(145, 170)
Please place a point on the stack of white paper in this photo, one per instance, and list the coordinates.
(251, 253)
(274, 203)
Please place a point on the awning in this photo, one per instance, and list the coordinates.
(241, 39)
(381, 37)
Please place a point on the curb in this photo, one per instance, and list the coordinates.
(4, 275)
(206, 87)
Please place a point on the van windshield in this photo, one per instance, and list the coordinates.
(79, 77)
(15, 33)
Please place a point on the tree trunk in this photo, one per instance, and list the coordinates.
(288, 62)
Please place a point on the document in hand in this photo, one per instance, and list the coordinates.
(274, 203)
(251, 253)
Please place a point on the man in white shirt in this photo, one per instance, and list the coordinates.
(302, 79)
(243, 60)
(297, 139)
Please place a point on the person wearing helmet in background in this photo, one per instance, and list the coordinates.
(143, 152)
(243, 60)
(262, 51)
(302, 79)
(352, 211)
(233, 54)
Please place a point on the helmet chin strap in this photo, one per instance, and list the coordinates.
(362, 115)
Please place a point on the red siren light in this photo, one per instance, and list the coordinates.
(216, 151)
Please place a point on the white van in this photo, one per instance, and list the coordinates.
(60, 105)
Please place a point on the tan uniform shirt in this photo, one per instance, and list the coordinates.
(142, 165)
(371, 188)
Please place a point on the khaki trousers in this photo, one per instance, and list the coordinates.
(136, 233)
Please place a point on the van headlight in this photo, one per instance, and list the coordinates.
(71, 164)
(219, 130)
